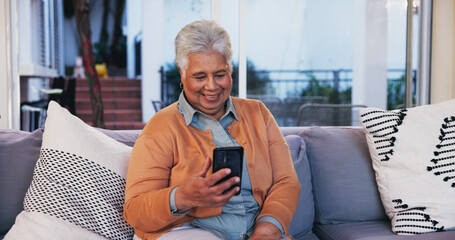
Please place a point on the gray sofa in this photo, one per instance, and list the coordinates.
(339, 199)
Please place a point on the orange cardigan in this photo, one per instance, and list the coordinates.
(167, 152)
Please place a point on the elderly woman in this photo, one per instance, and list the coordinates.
(171, 192)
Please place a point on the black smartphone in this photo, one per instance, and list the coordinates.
(229, 157)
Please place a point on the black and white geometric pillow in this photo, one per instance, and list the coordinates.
(77, 191)
(413, 154)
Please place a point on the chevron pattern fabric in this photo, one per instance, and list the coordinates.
(413, 154)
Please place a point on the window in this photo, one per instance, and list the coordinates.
(177, 14)
(338, 55)
(327, 53)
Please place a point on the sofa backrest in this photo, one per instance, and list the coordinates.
(343, 180)
(19, 152)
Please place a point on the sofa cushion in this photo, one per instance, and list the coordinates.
(344, 187)
(291, 130)
(413, 156)
(307, 236)
(302, 223)
(77, 191)
(372, 230)
(19, 152)
(127, 137)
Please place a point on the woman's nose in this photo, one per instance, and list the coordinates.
(211, 83)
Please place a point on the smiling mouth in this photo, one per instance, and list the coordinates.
(211, 98)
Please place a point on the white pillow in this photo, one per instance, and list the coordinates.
(78, 185)
(413, 153)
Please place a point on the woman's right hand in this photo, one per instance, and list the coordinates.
(201, 191)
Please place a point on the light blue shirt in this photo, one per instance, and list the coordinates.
(236, 220)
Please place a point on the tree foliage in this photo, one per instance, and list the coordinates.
(334, 95)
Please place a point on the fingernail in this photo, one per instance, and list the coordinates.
(237, 179)
(228, 171)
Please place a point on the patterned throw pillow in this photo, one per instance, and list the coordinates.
(78, 185)
(413, 153)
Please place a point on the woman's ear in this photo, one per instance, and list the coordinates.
(182, 74)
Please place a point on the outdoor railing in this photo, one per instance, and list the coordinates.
(284, 91)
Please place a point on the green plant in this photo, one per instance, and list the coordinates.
(396, 89)
(334, 96)
(395, 93)
(257, 81)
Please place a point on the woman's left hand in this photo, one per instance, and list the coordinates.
(266, 230)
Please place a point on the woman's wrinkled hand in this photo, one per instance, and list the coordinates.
(201, 191)
(266, 231)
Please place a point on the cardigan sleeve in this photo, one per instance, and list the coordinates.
(147, 192)
(282, 198)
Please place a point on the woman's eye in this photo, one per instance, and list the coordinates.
(200, 78)
(220, 75)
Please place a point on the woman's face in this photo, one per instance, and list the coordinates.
(207, 83)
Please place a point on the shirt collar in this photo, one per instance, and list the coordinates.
(189, 112)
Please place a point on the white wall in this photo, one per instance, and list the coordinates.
(152, 54)
(134, 27)
(443, 52)
(9, 80)
(5, 72)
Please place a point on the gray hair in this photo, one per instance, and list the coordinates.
(202, 36)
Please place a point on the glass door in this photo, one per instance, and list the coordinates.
(323, 60)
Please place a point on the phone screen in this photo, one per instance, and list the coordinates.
(229, 157)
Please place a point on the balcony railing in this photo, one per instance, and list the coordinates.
(284, 91)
